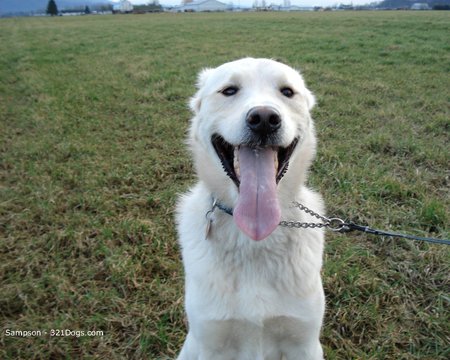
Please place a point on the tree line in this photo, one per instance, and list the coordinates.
(52, 8)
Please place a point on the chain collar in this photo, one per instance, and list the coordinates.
(334, 224)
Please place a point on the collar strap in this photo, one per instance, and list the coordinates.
(217, 204)
(224, 208)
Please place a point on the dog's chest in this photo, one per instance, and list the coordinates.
(256, 283)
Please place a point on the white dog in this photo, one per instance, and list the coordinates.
(253, 288)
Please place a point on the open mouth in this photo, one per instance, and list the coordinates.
(229, 157)
(256, 171)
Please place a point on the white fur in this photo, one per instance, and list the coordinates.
(246, 299)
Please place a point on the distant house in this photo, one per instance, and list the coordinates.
(297, 8)
(290, 8)
(202, 5)
(124, 6)
(420, 6)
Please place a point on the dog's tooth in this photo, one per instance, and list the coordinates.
(275, 160)
(236, 162)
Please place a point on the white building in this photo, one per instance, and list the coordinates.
(202, 5)
(420, 6)
(290, 8)
(124, 6)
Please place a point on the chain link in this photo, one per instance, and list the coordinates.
(334, 224)
(297, 224)
(310, 212)
(300, 225)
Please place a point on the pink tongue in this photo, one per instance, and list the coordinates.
(257, 212)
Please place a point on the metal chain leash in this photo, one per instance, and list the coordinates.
(334, 224)
(339, 225)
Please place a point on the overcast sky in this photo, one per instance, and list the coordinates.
(250, 2)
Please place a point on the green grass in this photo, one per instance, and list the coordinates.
(92, 157)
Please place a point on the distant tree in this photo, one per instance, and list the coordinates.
(52, 9)
(441, 7)
(87, 11)
(107, 7)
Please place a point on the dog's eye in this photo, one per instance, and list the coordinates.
(287, 91)
(230, 90)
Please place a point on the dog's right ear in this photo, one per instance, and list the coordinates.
(196, 102)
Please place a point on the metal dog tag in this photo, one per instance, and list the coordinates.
(208, 228)
(209, 219)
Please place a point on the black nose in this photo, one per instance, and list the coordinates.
(263, 120)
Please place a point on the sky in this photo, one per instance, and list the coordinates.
(249, 3)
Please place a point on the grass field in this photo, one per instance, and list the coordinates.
(93, 117)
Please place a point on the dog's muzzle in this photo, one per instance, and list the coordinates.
(256, 165)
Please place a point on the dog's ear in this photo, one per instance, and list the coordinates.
(306, 93)
(196, 102)
(310, 99)
(203, 76)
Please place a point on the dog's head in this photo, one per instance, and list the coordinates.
(251, 121)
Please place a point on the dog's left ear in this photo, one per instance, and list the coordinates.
(306, 93)
(196, 102)
(310, 99)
